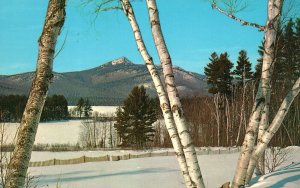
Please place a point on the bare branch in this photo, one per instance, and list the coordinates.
(234, 6)
(230, 15)
(62, 46)
(108, 9)
(102, 6)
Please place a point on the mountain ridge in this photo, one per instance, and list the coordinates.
(106, 84)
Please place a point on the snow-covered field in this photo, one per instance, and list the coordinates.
(104, 110)
(134, 173)
(60, 132)
(141, 172)
(152, 172)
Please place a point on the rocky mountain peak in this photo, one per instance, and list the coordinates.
(121, 60)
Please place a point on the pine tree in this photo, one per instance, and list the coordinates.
(288, 56)
(211, 73)
(218, 73)
(80, 106)
(243, 71)
(87, 108)
(135, 118)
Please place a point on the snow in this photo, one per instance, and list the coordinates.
(288, 175)
(141, 172)
(153, 171)
(105, 110)
(146, 172)
(60, 132)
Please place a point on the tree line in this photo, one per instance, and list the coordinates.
(12, 108)
(233, 90)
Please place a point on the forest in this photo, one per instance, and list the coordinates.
(12, 108)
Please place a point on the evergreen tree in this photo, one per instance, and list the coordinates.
(55, 108)
(87, 108)
(218, 73)
(135, 118)
(211, 73)
(288, 56)
(243, 69)
(80, 106)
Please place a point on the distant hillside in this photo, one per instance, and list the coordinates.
(107, 84)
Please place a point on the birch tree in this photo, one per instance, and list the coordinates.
(184, 150)
(260, 112)
(270, 132)
(175, 104)
(271, 30)
(270, 37)
(17, 168)
(163, 98)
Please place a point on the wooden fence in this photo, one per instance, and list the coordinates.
(86, 159)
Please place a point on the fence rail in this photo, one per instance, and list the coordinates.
(86, 159)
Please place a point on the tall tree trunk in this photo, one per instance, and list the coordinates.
(248, 144)
(183, 130)
(271, 31)
(163, 98)
(242, 113)
(217, 116)
(18, 165)
(263, 94)
(270, 132)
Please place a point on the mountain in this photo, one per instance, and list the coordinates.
(108, 84)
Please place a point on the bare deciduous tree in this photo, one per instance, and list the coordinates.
(276, 156)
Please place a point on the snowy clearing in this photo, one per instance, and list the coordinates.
(57, 132)
(104, 110)
(143, 172)
(152, 172)
(134, 173)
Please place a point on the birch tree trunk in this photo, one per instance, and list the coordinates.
(217, 116)
(18, 165)
(269, 133)
(248, 144)
(163, 98)
(263, 94)
(271, 30)
(176, 108)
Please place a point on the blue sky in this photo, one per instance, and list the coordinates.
(192, 29)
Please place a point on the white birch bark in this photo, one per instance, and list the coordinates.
(164, 101)
(18, 165)
(271, 29)
(183, 130)
(217, 116)
(248, 144)
(269, 133)
(230, 15)
(242, 113)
